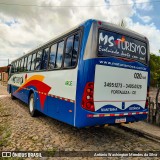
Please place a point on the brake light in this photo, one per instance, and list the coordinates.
(146, 105)
(87, 99)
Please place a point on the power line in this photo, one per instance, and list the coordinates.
(6, 59)
(34, 5)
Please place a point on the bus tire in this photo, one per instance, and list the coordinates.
(32, 110)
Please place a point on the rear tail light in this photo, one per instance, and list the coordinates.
(147, 99)
(87, 99)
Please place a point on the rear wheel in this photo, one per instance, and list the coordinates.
(32, 109)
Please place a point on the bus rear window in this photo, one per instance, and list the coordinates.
(114, 44)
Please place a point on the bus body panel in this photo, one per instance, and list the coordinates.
(87, 121)
(63, 101)
(89, 76)
(55, 96)
(88, 67)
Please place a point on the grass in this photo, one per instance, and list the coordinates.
(5, 131)
(5, 134)
(51, 152)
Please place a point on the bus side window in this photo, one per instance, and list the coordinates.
(12, 67)
(22, 63)
(19, 66)
(38, 60)
(45, 58)
(68, 52)
(75, 50)
(52, 57)
(33, 61)
(15, 67)
(29, 62)
(59, 56)
(25, 63)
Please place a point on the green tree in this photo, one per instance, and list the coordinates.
(154, 70)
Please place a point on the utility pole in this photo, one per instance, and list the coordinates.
(8, 61)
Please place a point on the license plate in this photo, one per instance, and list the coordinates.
(120, 120)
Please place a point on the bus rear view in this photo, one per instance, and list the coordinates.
(113, 85)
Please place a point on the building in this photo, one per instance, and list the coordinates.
(4, 74)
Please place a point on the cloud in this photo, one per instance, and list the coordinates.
(145, 19)
(24, 28)
(151, 32)
(144, 5)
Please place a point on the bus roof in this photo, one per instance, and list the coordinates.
(119, 28)
(103, 23)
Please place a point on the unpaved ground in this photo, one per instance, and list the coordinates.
(20, 132)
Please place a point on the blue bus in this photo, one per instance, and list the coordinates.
(97, 73)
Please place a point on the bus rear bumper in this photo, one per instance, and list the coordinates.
(111, 120)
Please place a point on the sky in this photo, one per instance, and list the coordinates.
(25, 24)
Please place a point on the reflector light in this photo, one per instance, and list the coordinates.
(101, 115)
(146, 104)
(99, 22)
(90, 115)
(87, 99)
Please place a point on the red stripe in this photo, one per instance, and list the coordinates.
(125, 59)
(101, 115)
(62, 98)
(89, 115)
(121, 114)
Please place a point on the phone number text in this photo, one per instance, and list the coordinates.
(120, 85)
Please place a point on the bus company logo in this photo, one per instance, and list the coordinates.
(120, 44)
(37, 82)
(139, 76)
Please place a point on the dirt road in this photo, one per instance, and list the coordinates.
(19, 131)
